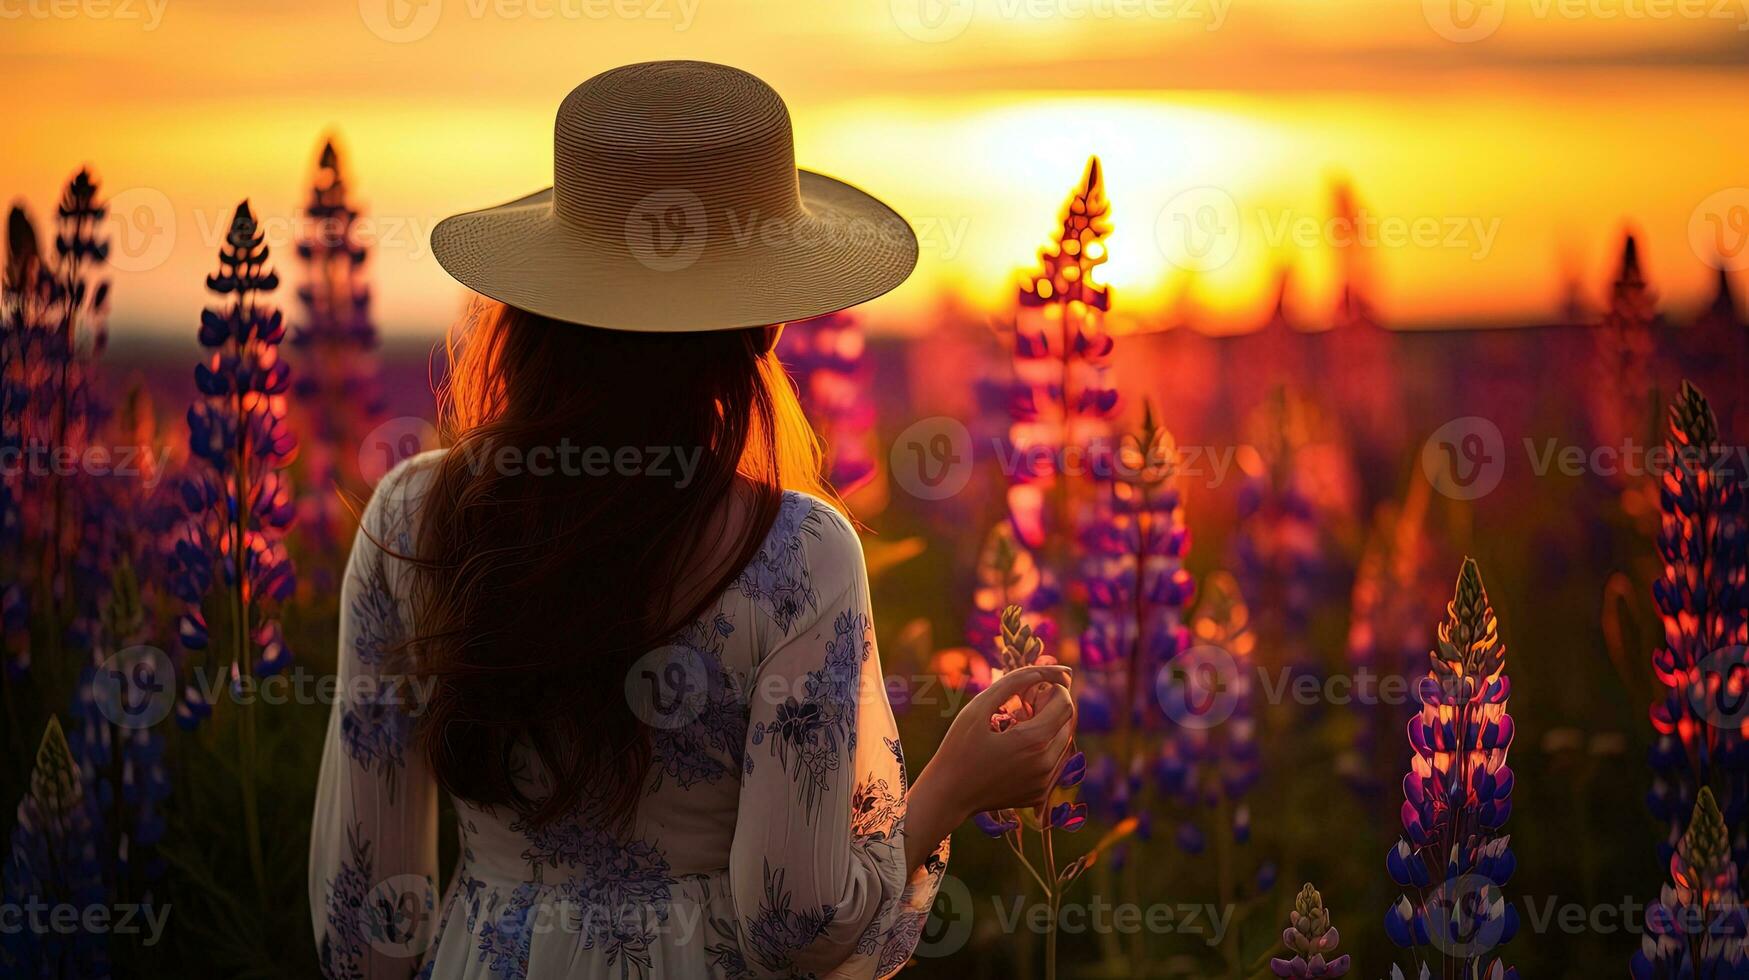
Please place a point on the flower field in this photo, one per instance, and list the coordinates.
(1397, 652)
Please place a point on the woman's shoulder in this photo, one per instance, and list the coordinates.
(810, 554)
(394, 503)
(814, 527)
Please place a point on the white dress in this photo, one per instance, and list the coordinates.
(770, 838)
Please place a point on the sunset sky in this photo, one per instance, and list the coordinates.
(1500, 151)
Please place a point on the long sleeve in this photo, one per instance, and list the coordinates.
(373, 841)
(817, 866)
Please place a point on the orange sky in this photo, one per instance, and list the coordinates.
(1498, 149)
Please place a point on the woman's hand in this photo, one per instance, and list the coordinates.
(978, 768)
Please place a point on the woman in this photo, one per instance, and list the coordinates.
(618, 621)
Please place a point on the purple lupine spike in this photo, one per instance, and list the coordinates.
(24, 324)
(1137, 588)
(1063, 393)
(122, 765)
(1701, 597)
(1392, 605)
(1312, 939)
(1620, 392)
(1211, 762)
(1290, 494)
(1453, 860)
(52, 313)
(239, 501)
(53, 860)
(337, 398)
(1697, 927)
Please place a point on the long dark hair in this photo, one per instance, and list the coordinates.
(551, 552)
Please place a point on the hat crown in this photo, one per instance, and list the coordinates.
(674, 133)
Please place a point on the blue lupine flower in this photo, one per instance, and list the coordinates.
(239, 503)
(1392, 606)
(1453, 859)
(1062, 393)
(1137, 587)
(1697, 928)
(1288, 496)
(53, 860)
(51, 329)
(1701, 597)
(337, 395)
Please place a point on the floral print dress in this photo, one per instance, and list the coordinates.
(770, 839)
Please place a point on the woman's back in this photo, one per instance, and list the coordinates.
(768, 836)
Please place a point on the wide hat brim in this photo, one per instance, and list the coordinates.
(674, 267)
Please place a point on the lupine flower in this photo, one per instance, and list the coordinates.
(1452, 859)
(1392, 605)
(82, 296)
(1132, 573)
(51, 329)
(238, 500)
(1697, 927)
(1062, 395)
(1312, 939)
(1008, 575)
(1620, 392)
(122, 767)
(25, 325)
(1701, 598)
(1022, 647)
(1295, 489)
(53, 860)
(824, 356)
(337, 394)
(1213, 767)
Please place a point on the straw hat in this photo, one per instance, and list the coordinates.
(676, 205)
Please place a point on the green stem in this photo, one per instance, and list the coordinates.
(1053, 895)
(1224, 864)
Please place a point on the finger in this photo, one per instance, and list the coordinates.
(1041, 695)
(1016, 681)
(1038, 693)
(1058, 751)
(1049, 715)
